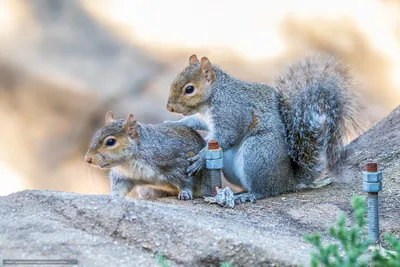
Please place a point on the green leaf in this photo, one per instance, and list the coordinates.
(354, 242)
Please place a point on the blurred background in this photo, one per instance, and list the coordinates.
(64, 63)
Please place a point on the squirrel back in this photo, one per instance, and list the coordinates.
(319, 109)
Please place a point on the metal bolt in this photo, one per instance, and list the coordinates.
(213, 144)
(372, 184)
(214, 162)
(371, 167)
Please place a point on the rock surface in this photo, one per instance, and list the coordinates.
(103, 231)
(99, 230)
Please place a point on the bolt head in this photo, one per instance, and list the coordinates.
(372, 187)
(372, 177)
(213, 144)
(214, 163)
(371, 167)
(213, 154)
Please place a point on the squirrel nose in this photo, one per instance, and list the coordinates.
(88, 160)
(171, 109)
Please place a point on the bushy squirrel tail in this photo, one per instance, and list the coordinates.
(320, 110)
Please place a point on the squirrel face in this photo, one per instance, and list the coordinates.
(191, 89)
(108, 147)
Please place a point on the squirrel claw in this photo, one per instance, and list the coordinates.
(210, 200)
(194, 168)
(185, 195)
(198, 162)
(244, 197)
(195, 158)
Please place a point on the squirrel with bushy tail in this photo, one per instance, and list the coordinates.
(276, 139)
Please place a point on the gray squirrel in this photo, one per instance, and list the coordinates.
(275, 138)
(148, 155)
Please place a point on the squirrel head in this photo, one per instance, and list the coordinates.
(112, 145)
(191, 89)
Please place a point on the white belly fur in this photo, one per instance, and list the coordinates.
(234, 166)
(205, 114)
(137, 170)
(233, 158)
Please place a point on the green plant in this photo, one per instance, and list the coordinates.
(388, 258)
(350, 240)
(354, 243)
(161, 260)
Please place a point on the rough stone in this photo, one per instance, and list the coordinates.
(99, 230)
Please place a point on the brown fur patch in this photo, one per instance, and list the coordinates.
(191, 154)
(166, 187)
(253, 123)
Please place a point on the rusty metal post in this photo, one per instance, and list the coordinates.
(372, 184)
(214, 162)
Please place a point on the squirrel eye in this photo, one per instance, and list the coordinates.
(189, 89)
(111, 142)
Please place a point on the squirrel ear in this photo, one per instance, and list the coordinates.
(109, 117)
(193, 60)
(206, 67)
(130, 125)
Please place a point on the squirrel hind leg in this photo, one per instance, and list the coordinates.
(246, 197)
(226, 198)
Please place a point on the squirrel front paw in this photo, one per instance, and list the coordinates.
(199, 162)
(120, 187)
(185, 195)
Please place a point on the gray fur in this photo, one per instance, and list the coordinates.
(315, 88)
(275, 138)
(233, 105)
(263, 148)
(192, 121)
(156, 157)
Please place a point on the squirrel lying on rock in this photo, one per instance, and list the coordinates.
(148, 155)
(275, 138)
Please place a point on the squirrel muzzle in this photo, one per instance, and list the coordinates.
(88, 159)
(170, 108)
